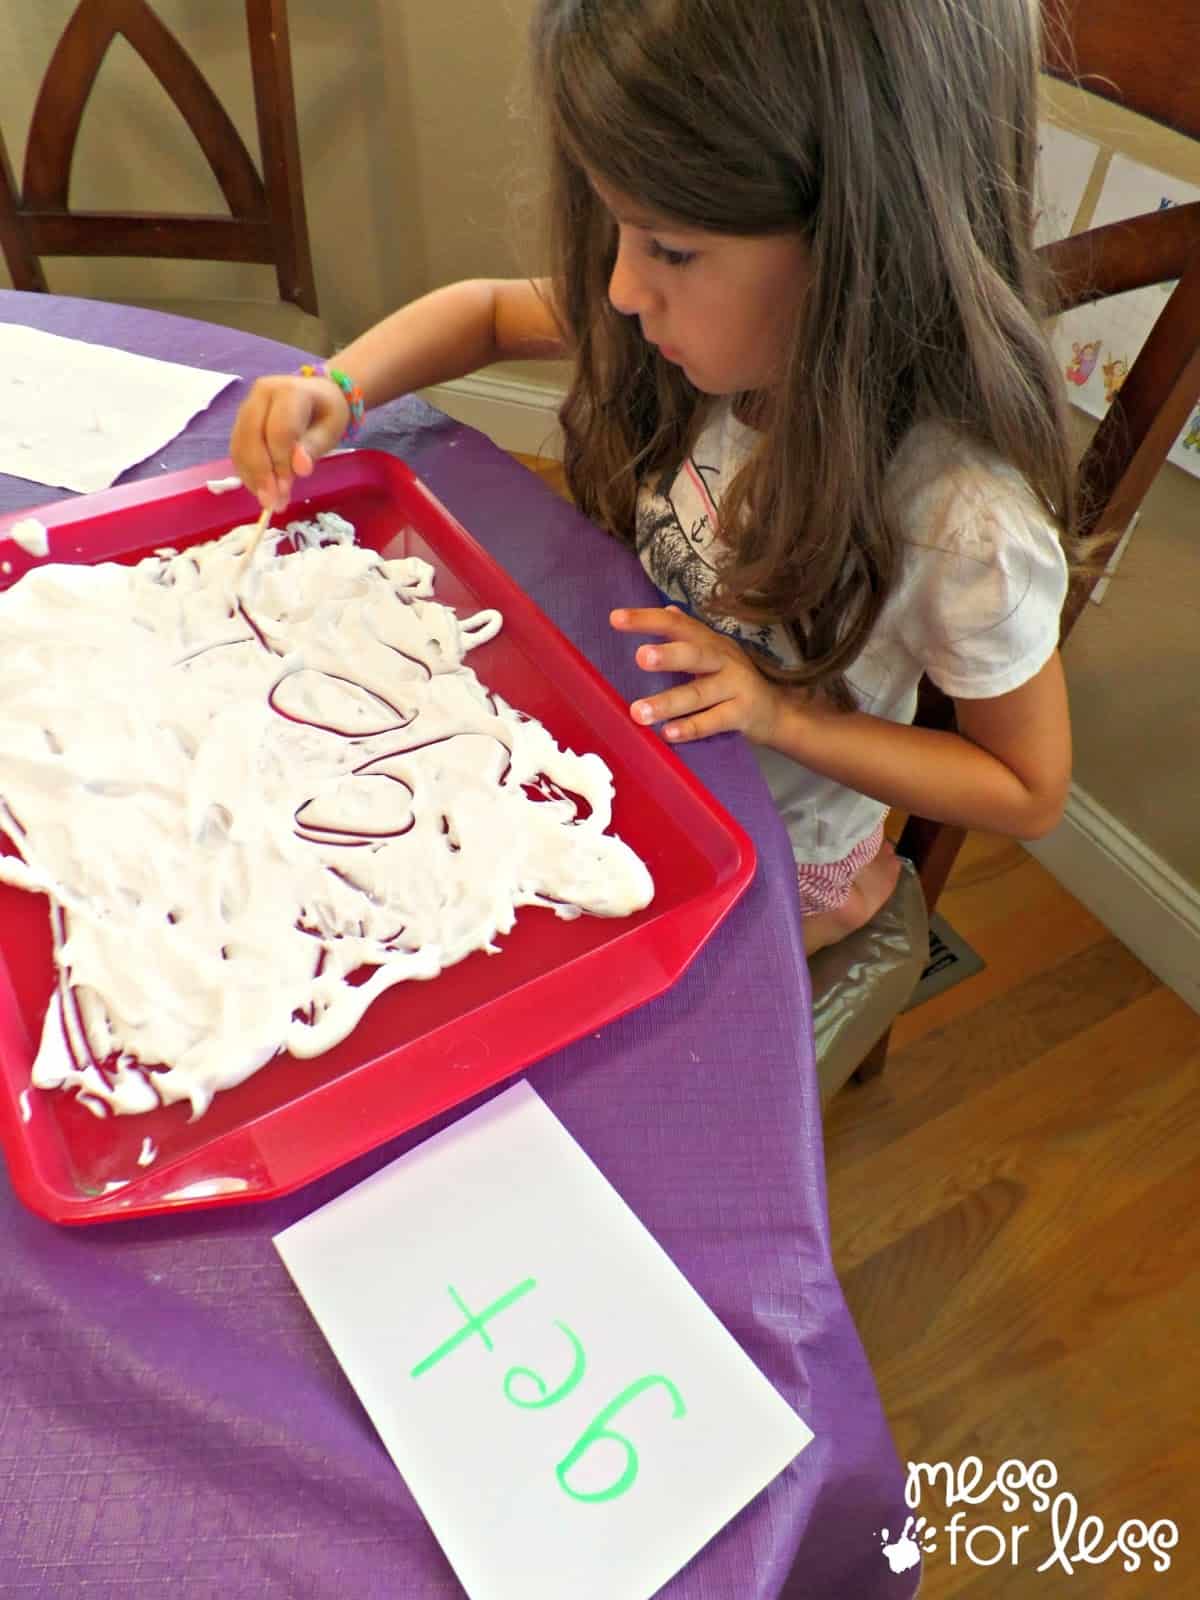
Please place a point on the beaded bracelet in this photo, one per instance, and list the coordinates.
(354, 395)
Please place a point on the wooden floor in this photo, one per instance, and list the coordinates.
(1015, 1208)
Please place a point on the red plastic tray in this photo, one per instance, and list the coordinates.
(422, 1047)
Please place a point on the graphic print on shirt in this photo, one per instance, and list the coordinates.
(676, 540)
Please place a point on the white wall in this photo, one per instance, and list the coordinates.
(408, 141)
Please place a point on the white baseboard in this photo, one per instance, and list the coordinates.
(514, 413)
(1146, 904)
(1133, 891)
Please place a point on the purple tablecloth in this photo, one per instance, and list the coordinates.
(171, 1420)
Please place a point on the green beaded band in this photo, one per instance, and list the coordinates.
(354, 395)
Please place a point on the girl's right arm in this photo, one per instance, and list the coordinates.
(287, 422)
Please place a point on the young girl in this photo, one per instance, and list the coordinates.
(793, 268)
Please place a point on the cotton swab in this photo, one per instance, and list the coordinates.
(260, 527)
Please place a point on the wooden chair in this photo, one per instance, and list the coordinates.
(266, 221)
(1147, 64)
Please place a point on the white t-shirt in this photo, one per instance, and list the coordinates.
(976, 605)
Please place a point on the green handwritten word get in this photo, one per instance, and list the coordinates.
(540, 1397)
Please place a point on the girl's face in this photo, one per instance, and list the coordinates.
(722, 307)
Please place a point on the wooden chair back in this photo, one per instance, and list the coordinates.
(266, 221)
(1147, 63)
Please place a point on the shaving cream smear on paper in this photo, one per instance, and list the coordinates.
(241, 787)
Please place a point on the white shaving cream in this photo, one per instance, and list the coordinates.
(241, 786)
(31, 535)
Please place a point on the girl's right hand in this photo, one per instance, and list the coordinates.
(284, 426)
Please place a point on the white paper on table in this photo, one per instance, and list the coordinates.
(76, 416)
(1097, 344)
(1065, 162)
(505, 1205)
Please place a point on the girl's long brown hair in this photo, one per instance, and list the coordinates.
(900, 140)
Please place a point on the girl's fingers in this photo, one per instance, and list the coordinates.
(686, 656)
(667, 620)
(325, 425)
(695, 695)
(283, 427)
(247, 447)
(323, 432)
(723, 718)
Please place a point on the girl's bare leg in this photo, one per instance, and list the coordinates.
(870, 889)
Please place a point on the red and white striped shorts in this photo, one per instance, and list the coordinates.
(827, 886)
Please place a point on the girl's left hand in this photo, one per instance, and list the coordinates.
(727, 692)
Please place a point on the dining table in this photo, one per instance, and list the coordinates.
(172, 1421)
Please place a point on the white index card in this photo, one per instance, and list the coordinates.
(570, 1416)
